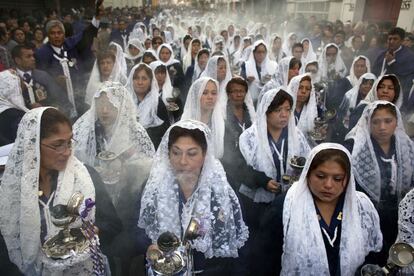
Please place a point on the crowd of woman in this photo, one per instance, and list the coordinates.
(291, 154)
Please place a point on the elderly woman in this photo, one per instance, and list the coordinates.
(41, 173)
(151, 110)
(322, 225)
(203, 105)
(186, 182)
(383, 161)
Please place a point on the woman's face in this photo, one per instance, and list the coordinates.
(105, 111)
(38, 35)
(386, 90)
(360, 67)
(186, 159)
(202, 61)
(209, 97)
(304, 91)
(383, 125)
(221, 70)
(277, 44)
(134, 51)
(165, 54)
(237, 94)
(160, 75)
(365, 87)
(293, 72)
(142, 82)
(327, 182)
(195, 47)
(56, 149)
(279, 118)
(148, 44)
(305, 45)
(260, 54)
(105, 67)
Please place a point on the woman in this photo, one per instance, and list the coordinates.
(188, 181)
(165, 54)
(290, 39)
(149, 56)
(385, 88)
(38, 37)
(194, 71)
(110, 125)
(308, 53)
(276, 53)
(151, 111)
(306, 109)
(258, 69)
(331, 65)
(354, 96)
(12, 106)
(240, 115)
(202, 104)
(189, 58)
(218, 68)
(106, 68)
(288, 68)
(383, 158)
(322, 226)
(42, 172)
(167, 93)
(133, 53)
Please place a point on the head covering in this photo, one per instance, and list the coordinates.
(351, 96)
(192, 110)
(311, 55)
(272, 55)
(373, 93)
(268, 67)
(167, 88)
(254, 145)
(187, 59)
(138, 33)
(310, 109)
(213, 202)
(286, 47)
(118, 74)
(137, 44)
(352, 78)
(19, 192)
(339, 65)
(242, 54)
(211, 71)
(197, 69)
(367, 171)
(303, 246)
(172, 60)
(127, 133)
(11, 92)
(148, 107)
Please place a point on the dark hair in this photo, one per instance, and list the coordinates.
(203, 51)
(355, 37)
(396, 84)
(297, 45)
(143, 67)
(17, 50)
(148, 54)
(186, 37)
(293, 62)
(332, 155)
(397, 31)
(160, 69)
(104, 55)
(196, 134)
(340, 33)
(236, 80)
(51, 118)
(196, 40)
(281, 97)
(155, 38)
(332, 46)
(314, 63)
(254, 50)
(389, 107)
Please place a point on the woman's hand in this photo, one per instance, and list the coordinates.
(153, 253)
(273, 187)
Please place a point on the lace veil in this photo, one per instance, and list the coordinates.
(11, 92)
(352, 78)
(137, 44)
(303, 246)
(339, 65)
(373, 96)
(167, 88)
(19, 200)
(311, 55)
(254, 145)
(172, 60)
(213, 202)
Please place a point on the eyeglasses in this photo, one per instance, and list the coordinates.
(61, 148)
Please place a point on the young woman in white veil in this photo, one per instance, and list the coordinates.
(107, 67)
(186, 182)
(383, 162)
(166, 55)
(42, 172)
(151, 111)
(258, 69)
(308, 52)
(133, 53)
(275, 51)
(203, 105)
(331, 65)
(322, 225)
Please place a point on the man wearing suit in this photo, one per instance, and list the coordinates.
(68, 60)
(398, 60)
(39, 89)
(121, 35)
